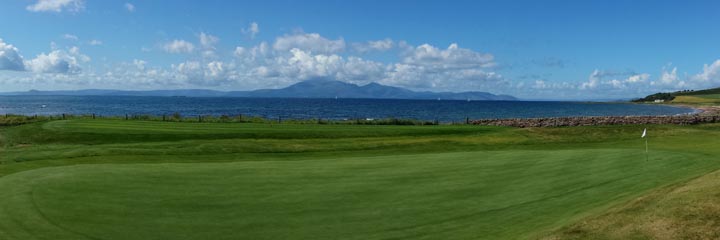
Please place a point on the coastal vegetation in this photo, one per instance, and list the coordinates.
(85, 178)
(685, 96)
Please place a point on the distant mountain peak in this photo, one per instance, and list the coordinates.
(326, 88)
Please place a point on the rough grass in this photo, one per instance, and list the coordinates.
(115, 179)
(689, 210)
(707, 99)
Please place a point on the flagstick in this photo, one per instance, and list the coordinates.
(646, 149)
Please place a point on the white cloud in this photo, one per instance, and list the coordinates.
(140, 64)
(208, 41)
(239, 51)
(190, 69)
(309, 42)
(304, 65)
(290, 59)
(197, 73)
(251, 30)
(596, 80)
(456, 69)
(430, 78)
(179, 46)
(452, 57)
(215, 69)
(95, 42)
(57, 61)
(129, 7)
(638, 78)
(70, 37)
(10, 58)
(380, 46)
(669, 78)
(260, 52)
(710, 73)
(359, 70)
(57, 6)
(593, 80)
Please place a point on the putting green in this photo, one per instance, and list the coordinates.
(457, 195)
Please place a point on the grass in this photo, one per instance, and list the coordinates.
(688, 210)
(116, 179)
(706, 99)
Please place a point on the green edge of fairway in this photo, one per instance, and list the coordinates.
(328, 182)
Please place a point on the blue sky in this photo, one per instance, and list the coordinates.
(530, 49)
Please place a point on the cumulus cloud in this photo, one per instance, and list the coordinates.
(129, 7)
(207, 40)
(669, 77)
(260, 52)
(10, 59)
(593, 80)
(179, 46)
(625, 83)
(306, 66)
(422, 68)
(58, 61)
(453, 57)
(599, 79)
(140, 64)
(710, 73)
(380, 45)
(57, 6)
(239, 51)
(359, 70)
(212, 73)
(287, 60)
(290, 59)
(431, 78)
(207, 43)
(309, 42)
(251, 30)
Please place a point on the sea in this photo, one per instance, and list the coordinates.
(337, 109)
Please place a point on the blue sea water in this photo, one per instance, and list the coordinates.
(441, 110)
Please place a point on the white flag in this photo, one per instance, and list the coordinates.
(644, 133)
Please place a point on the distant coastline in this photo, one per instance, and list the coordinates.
(304, 89)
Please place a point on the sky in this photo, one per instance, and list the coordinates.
(559, 50)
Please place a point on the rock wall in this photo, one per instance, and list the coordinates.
(592, 121)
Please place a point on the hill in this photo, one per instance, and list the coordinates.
(693, 96)
(305, 89)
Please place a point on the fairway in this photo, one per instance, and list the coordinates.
(112, 179)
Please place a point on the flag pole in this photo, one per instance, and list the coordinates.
(646, 149)
(644, 135)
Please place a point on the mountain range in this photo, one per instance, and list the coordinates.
(305, 89)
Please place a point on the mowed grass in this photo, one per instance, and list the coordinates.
(105, 179)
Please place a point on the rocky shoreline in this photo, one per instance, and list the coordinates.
(709, 114)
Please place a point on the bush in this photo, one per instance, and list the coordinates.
(13, 120)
